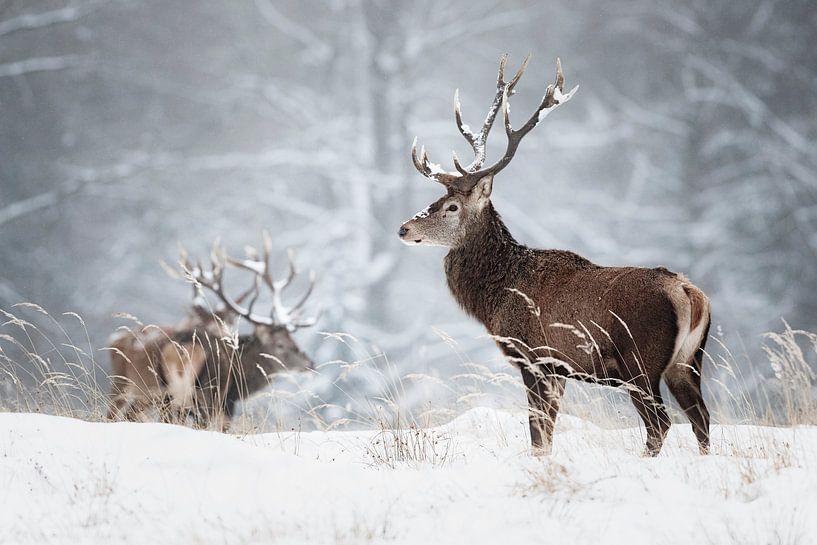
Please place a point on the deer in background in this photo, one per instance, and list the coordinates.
(239, 366)
(555, 314)
(151, 365)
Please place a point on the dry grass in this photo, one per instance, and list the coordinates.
(48, 373)
(55, 375)
(409, 444)
(41, 372)
(547, 476)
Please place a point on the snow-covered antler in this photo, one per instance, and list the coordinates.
(213, 279)
(280, 314)
(465, 178)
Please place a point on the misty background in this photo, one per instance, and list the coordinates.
(130, 126)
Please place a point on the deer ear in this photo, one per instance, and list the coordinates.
(484, 187)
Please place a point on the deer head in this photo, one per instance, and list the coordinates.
(448, 220)
(274, 331)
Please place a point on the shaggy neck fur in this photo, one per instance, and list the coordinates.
(485, 264)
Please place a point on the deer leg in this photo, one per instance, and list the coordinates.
(544, 394)
(650, 407)
(684, 382)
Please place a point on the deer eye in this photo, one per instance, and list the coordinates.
(452, 208)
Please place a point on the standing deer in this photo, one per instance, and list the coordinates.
(553, 313)
(238, 367)
(154, 363)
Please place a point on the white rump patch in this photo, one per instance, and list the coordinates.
(688, 340)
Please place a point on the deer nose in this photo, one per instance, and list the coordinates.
(403, 230)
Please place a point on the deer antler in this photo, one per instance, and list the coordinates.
(213, 279)
(465, 178)
(280, 313)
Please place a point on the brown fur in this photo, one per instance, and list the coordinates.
(136, 371)
(236, 369)
(557, 315)
(142, 360)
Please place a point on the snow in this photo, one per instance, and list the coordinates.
(64, 480)
(560, 98)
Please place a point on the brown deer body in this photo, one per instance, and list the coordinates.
(557, 315)
(158, 363)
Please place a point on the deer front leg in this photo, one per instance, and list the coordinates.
(544, 393)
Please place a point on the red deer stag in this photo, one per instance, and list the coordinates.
(553, 313)
(153, 364)
(239, 367)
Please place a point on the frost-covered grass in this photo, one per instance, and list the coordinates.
(420, 462)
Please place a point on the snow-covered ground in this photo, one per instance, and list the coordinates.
(471, 481)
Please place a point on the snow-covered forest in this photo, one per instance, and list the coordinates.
(129, 127)
(131, 130)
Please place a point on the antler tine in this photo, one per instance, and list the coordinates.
(293, 310)
(217, 257)
(267, 276)
(502, 87)
(431, 170)
(461, 169)
(278, 312)
(506, 115)
(553, 98)
(464, 129)
(282, 284)
(414, 158)
(214, 281)
(518, 75)
(255, 291)
(259, 267)
(307, 322)
(421, 166)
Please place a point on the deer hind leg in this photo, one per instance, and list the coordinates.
(544, 394)
(684, 382)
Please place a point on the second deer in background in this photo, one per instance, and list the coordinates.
(239, 366)
(151, 365)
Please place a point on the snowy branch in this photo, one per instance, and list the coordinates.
(316, 47)
(29, 21)
(39, 64)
